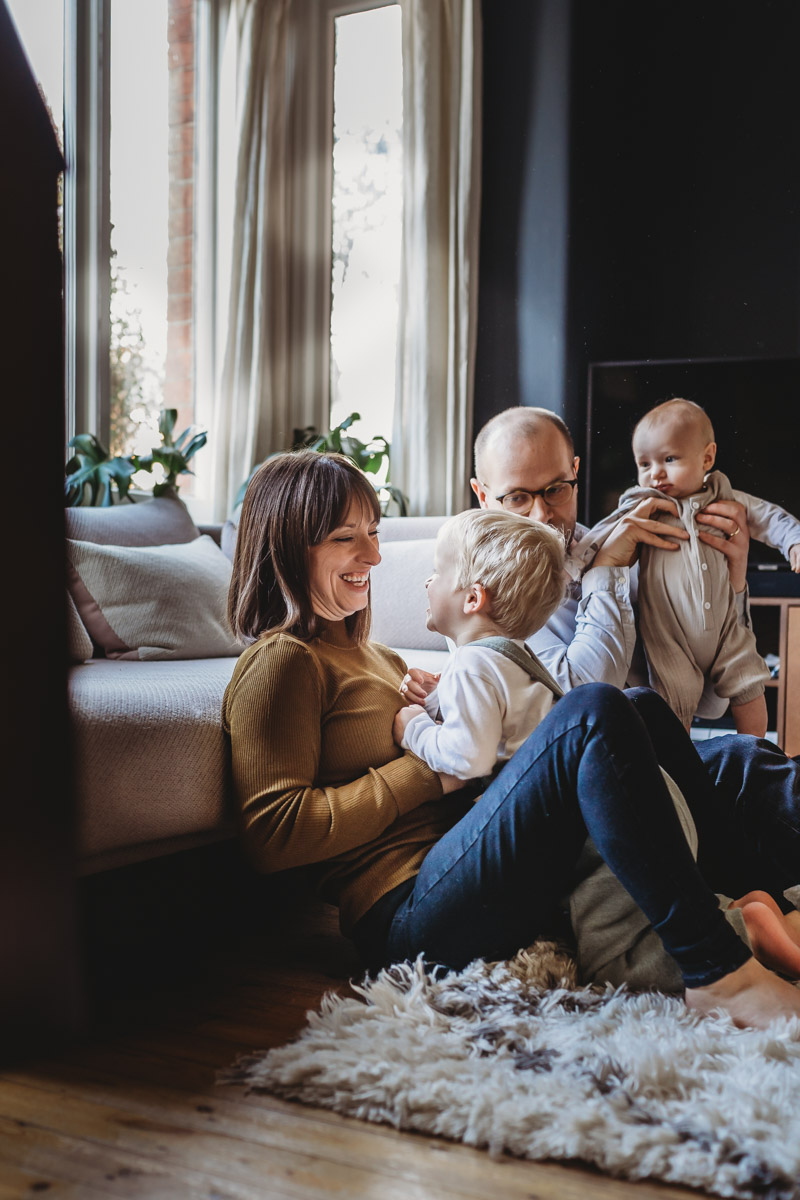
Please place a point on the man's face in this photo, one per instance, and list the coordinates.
(530, 464)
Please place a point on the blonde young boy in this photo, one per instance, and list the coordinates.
(496, 575)
(688, 621)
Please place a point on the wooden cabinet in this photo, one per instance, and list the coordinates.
(776, 624)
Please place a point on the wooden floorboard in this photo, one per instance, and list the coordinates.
(133, 1108)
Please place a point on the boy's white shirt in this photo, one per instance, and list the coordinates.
(487, 706)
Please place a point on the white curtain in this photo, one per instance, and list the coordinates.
(431, 440)
(257, 352)
(263, 232)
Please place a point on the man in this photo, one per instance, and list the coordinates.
(525, 462)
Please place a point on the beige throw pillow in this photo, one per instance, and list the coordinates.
(147, 523)
(154, 602)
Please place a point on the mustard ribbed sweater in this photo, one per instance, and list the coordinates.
(317, 774)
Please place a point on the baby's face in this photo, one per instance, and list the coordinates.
(671, 456)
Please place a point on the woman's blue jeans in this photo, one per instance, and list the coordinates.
(493, 883)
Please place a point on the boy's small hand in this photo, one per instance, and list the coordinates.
(418, 684)
(794, 558)
(401, 719)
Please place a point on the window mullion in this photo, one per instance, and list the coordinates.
(87, 215)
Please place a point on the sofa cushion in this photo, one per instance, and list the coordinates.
(157, 522)
(406, 529)
(398, 595)
(153, 602)
(149, 751)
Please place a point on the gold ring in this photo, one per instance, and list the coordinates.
(733, 535)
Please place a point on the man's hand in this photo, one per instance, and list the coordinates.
(401, 719)
(637, 527)
(418, 684)
(731, 518)
(794, 558)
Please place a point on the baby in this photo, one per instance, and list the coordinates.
(688, 620)
(497, 578)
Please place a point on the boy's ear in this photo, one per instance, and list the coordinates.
(476, 598)
(709, 456)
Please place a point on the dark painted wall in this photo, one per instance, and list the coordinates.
(679, 193)
(520, 355)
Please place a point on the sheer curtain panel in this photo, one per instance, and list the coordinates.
(431, 443)
(263, 368)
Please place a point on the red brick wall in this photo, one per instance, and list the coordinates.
(179, 381)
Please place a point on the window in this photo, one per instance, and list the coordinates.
(119, 78)
(139, 210)
(367, 206)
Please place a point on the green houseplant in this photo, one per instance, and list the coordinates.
(368, 456)
(92, 475)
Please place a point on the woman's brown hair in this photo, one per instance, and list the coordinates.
(294, 501)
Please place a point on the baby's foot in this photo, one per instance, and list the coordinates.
(751, 995)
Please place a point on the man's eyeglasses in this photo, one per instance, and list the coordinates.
(554, 495)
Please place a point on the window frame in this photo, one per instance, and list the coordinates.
(87, 230)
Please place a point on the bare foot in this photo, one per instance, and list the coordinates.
(758, 898)
(790, 920)
(751, 995)
(771, 940)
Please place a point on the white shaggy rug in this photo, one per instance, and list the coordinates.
(514, 1058)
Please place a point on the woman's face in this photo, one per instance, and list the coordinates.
(339, 567)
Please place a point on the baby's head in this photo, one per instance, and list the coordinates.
(674, 448)
(495, 567)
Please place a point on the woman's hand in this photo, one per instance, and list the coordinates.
(794, 558)
(622, 545)
(401, 719)
(418, 684)
(450, 783)
(731, 518)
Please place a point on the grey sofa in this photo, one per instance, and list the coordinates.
(149, 585)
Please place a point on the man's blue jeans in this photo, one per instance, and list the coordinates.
(492, 883)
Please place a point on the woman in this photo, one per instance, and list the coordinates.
(413, 865)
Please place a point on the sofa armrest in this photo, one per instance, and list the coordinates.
(213, 530)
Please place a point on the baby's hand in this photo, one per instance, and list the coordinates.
(418, 684)
(402, 718)
(794, 557)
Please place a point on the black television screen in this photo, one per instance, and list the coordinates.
(754, 405)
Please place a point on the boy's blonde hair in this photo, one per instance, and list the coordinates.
(687, 410)
(519, 562)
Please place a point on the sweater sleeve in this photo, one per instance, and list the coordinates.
(274, 715)
(466, 743)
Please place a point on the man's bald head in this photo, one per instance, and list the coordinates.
(513, 423)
